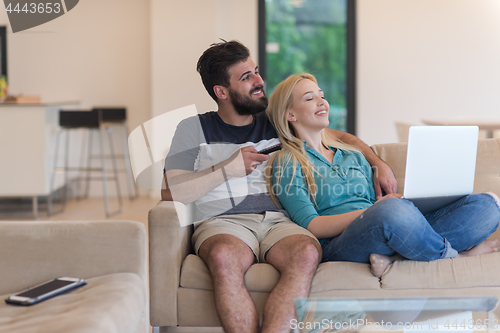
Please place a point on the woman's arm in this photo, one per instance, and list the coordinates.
(295, 198)
(332, 225)
(383, 177)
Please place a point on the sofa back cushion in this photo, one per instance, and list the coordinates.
(37, 251)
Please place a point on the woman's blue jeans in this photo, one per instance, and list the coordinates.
(395, 225)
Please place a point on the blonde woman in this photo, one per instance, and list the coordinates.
(326, 187)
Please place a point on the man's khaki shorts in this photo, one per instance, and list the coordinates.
(259, 231)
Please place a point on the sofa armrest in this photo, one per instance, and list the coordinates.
(169, 243)
(38, 251)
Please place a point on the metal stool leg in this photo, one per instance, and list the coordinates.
(131, 185)
(89, 165)
(34, 200)
(81, 162)
(52, 177)
(104, 178)
(66, 168)
(115, 169)
(103, 173)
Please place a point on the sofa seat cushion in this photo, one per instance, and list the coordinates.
(343, 275)
(458, 273)
(264, 277)
(112, 303)
(195, 275)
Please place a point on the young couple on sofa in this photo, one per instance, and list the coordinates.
(320, 186)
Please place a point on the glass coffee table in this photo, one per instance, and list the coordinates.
(409, 315)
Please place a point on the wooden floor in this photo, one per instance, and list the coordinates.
(79, 210)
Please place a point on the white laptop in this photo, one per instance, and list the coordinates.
(440, 165)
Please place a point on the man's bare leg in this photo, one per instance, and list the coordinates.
(296, 258)
(228, 258)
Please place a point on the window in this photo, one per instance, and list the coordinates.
(314, 36)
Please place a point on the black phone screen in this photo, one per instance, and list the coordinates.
(45, 288)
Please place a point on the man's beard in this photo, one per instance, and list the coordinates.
(246, 105)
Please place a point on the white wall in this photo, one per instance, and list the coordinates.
(416, 58)
(181, 31)
(98, 54)
(422, 59)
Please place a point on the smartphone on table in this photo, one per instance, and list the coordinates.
(45, 291)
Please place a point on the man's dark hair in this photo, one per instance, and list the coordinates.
(214, 63)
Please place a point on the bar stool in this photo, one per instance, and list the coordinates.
(90, 120)
(117, 117)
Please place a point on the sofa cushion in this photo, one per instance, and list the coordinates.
(112, 303)
(394, 154)
(37, 251)
(488, 166)
(458, 273)
(195, 274)
(343, 275)
(264, 277)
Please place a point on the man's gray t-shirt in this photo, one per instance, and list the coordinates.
(206, 140)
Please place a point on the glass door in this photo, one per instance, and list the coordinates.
(313, 36)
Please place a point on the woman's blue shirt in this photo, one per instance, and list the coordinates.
(342, 186)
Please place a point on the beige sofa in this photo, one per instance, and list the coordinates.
(181, 285)
(110, 255)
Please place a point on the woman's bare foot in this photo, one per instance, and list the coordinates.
(379, 262)
(485, 247)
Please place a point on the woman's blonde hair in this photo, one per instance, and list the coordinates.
(293, 147)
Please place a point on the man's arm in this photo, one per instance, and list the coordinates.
(187, 186)
(179, 164)
(383, 177)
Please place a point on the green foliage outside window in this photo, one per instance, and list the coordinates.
(311, 36)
